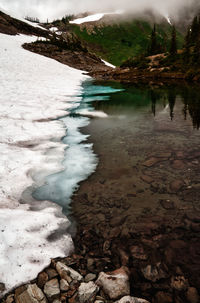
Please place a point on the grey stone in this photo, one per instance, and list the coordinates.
(32, 294)
(51, 289)
(87, 291)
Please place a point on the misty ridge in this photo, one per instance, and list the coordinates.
(179, 10)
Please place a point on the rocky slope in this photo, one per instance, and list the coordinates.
(12, 26)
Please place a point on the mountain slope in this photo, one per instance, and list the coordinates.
(117, 41)
(12, 26)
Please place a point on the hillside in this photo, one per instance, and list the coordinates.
(12, 26)
(116, 41)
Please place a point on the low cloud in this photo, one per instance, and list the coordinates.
(57, 8)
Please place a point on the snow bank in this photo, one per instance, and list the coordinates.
(34, 90)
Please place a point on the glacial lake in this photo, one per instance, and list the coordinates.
(147, 142)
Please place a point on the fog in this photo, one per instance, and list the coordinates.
(52, 9)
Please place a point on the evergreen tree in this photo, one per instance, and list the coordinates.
(154, 47)
(153, 44)
(194, 30)
(173, 47)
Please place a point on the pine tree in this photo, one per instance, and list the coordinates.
(194, 30)
(173, 47)
(154, 47)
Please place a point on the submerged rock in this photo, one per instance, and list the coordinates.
(137, 252)
(192, 295)
(154, 272)
(179, 283)
(115, 284)
(163, 297)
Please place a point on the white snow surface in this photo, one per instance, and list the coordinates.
(91, 18)
(34, 90)
(95, 17)
(53, 29)
(108, 64)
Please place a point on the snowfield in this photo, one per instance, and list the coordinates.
(35, 90)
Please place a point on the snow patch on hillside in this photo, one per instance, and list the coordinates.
(93, 18)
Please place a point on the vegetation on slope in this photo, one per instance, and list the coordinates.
(118, 42)
(185, 61)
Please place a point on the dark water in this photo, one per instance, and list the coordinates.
(180, 100)
(149, 150)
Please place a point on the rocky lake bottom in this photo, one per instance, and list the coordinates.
(141, 208)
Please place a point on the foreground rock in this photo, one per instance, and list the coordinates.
(115, 284)
(87, 292)
(60, 283)
(33, 294)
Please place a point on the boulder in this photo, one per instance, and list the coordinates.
(87, 292)
(32, 294)
(51, 289)
(115, 284)
(128, 299)
(67, 273)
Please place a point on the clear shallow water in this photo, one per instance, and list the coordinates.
(165, 117)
